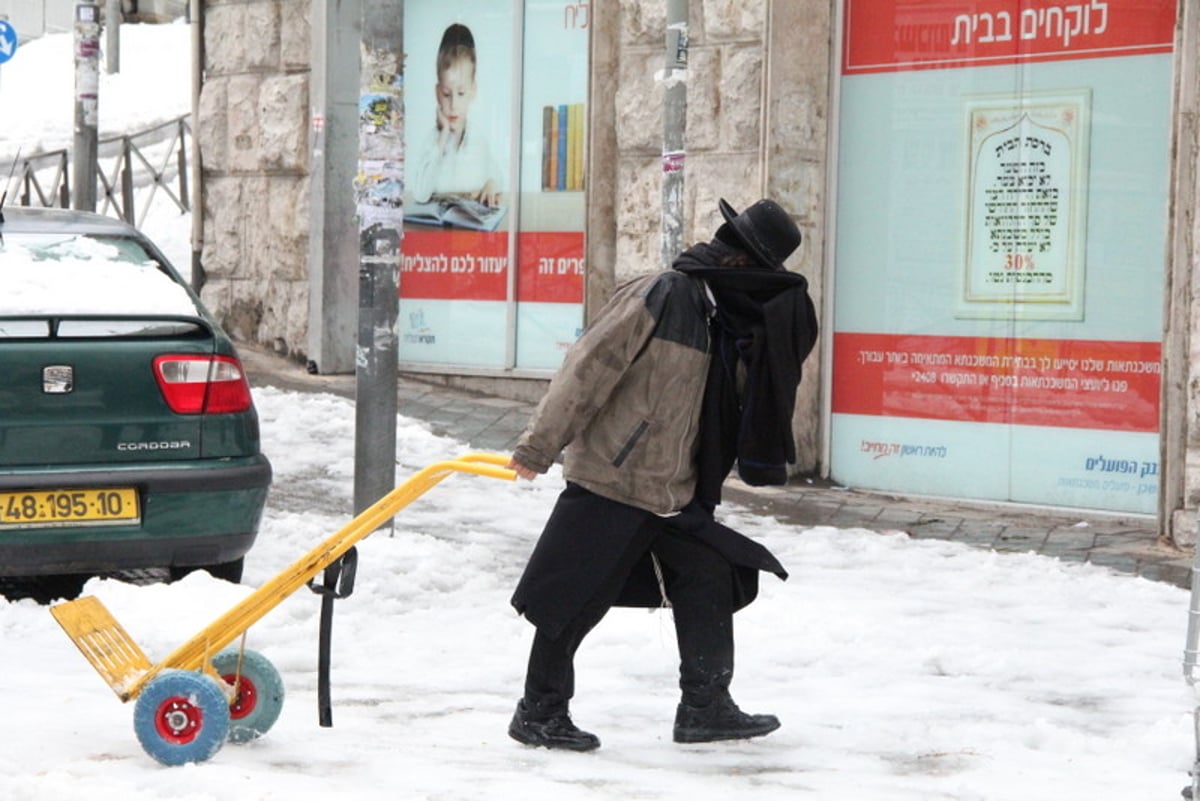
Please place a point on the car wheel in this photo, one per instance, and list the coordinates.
(227, 571)
(43, 589)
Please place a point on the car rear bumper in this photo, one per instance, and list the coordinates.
(192, 516)
(108, 556)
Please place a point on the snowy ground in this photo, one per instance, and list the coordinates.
(901, 669)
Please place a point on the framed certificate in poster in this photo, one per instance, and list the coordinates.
(1026, 206)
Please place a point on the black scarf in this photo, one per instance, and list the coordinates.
(765, 320)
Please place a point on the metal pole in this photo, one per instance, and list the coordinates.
(674, 126)
(112, 36)
(1191, 647)
(379, 193)
(333, 162)
(375, 378)
(87, 89)
(196, 20)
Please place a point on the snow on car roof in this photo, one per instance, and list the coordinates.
(69, 274)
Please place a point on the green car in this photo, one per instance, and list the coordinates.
(128, 435)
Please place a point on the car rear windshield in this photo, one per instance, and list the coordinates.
(76, 285)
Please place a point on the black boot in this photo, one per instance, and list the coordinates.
(554, 731)
(720, 719)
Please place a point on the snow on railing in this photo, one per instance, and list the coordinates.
(154, 158)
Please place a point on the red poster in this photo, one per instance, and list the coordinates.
(454, 264)
(551, 267)
(1061, 383)
(898, 35)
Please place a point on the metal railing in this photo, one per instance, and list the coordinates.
(155, 158)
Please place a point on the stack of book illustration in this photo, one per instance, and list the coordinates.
(562, 147)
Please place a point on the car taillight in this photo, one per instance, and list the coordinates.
(193, 384)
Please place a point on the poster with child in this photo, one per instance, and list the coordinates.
(458, 106)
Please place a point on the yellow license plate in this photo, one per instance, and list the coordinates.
(69, 507)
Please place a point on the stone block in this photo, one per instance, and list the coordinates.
(216, 295)
(221, 253)
(261, 249)
(644, 22)
(704, 102)
(799, 186)
(242, 108)
(799, 118)
(741, 96)
(282, 228)
(639, 103)
(241, 37)
(807, 26)
(293, 219)
(295, 34)
(284, 322)
(639, 217)
(733, 19)
(242, 313)
(211, 127)
(1183, 528)
(282, 121)
(711, 176)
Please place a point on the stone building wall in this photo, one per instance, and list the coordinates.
(723, 136)
(252, 133)
(756, 125)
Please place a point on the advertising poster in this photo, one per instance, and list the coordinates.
(492, 273)
(553, 134)
(1001, 229)
(459, 61)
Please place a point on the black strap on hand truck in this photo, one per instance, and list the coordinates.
(337, 582)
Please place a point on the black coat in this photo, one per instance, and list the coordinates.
(591, 542)
(593, 545)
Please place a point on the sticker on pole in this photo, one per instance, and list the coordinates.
(8, 40)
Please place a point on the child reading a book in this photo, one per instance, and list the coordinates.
(455, 160)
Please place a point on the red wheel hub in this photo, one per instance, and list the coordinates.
(178, 720)
(245, 696)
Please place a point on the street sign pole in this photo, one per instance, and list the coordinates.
(112, 36)
(87, 104)
(87, 119)
(674, 124)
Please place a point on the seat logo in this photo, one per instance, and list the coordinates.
(58, 379)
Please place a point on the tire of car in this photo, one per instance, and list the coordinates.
(227, 571)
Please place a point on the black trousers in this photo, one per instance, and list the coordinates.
(699, 586)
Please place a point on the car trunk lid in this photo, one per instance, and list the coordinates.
(81, 394)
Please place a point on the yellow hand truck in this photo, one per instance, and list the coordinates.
(205, 693)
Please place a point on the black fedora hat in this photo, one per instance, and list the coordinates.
(764, 229)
